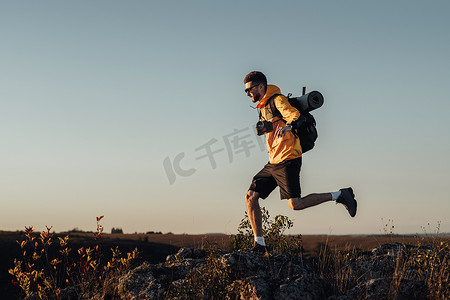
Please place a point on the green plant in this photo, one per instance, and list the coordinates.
(273, 231)
(46, 268)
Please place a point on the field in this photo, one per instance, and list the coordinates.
(310, 242)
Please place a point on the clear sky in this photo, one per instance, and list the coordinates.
(110, 108)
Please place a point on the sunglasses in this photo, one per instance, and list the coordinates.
(250, 88)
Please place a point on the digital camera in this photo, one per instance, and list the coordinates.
(263, 127)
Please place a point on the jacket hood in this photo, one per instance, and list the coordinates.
(271, 90)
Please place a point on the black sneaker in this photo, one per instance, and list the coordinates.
(257, 248)
(347, 198)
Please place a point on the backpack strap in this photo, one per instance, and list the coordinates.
(273, 108)
(275, 111)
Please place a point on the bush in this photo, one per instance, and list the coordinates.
(47, 268)
(273, 232)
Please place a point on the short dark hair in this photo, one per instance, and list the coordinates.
(256, 77)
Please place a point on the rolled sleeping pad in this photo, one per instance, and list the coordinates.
(310, 101)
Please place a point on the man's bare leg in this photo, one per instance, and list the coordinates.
(344, 196)
(254, 212)
(308, 201)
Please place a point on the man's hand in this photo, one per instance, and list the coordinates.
(282, 130)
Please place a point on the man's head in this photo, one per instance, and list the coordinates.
(255, 85)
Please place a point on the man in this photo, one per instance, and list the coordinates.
(285, 159)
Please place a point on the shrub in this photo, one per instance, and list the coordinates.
(47, 268)
(273, 231)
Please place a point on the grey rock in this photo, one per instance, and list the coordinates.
(374, 275)
(307, 287)
(252, 288)
(139, 284)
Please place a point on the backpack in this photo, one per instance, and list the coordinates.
(306, 129)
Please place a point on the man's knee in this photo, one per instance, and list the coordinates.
(291, 204)
(296, 203)
(251, 198)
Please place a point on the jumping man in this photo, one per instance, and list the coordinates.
(285, 159)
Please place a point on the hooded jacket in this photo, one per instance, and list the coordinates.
(288, 146)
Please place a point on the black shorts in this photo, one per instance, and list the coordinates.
(286, 175)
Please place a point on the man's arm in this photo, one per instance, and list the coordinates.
(288, 113)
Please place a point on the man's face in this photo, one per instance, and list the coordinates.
(254, 91)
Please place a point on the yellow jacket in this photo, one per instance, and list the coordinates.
(288, 146)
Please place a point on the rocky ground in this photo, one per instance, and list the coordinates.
(197, 274)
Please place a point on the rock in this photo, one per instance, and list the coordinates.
(239, 262)
(139, 283)
(412, 289)
(185, 253)
(372, 289)
(393, 249)
(252, 288)
(245, 275)
(307, 287)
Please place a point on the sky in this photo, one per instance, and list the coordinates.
(136, 110)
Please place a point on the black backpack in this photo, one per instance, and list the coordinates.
(305, 127)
